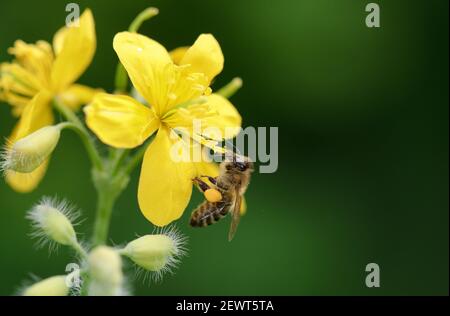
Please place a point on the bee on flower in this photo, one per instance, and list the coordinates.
(170, 111)
(177, 88)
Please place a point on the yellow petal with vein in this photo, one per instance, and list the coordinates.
(226, 124)
(36, 114)
(178, 53)
(77, 95)
(146, 62)
(165, 185)
(205, 56)
(74, 48)
(120, 121)
(26, 182)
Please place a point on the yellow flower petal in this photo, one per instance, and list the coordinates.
(165, 186)
(36, 114)
(30, 71)
(226, 123)
(146, 62)
(26, 182)
(205, 56)
(207, 169)
(74, 48)
(178, 53)
(77, 95)
(120, 121)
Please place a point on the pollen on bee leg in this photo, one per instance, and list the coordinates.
(213, 195)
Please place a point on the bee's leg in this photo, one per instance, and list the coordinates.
(211, 194)
(201, 184)
(211, 179)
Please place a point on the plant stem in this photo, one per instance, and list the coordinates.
(77, 247)
(231, 88)
(108, 186)
(137, 157)
(82, 132)
(105, 205)
(109, 183)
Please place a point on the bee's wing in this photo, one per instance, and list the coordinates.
(236, 215)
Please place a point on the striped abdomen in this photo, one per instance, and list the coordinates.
(208, 213)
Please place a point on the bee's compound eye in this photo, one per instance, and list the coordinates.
(212, 195)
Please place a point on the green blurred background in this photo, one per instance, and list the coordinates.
(363, 158)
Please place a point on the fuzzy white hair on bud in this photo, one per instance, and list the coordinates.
(52, 221)
(28, 153)
(157, 254)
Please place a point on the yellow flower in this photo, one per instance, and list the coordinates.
(172, 88)
(39, 73)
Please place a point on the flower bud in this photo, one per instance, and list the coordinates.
(53, 286)
(105, 270)
(157, 253)
(52, 220)
(28, 153)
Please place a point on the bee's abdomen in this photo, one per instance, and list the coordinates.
(208, 213)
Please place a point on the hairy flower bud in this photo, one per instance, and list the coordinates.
(105, 270)
(52, 220)
(53, 286)
(28, 153)
(158, 253)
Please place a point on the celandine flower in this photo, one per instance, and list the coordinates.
(39, 73)
(178, 94)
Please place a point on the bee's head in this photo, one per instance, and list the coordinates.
(241, 166)
(238, 162)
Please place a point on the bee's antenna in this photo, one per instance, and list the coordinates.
(232, 153)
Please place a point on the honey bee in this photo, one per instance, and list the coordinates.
(225, 194)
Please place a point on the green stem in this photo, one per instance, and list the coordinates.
(108, 185)
(141, 18)
(85, 137)
(121, 78)
(105, 205)
(136, 158)
(77, 247)
(119, 157)
(231, 88)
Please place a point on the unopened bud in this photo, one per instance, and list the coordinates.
(158, 253)
(52, 220)
(28, 153)
(105, 270)
(53, 286)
